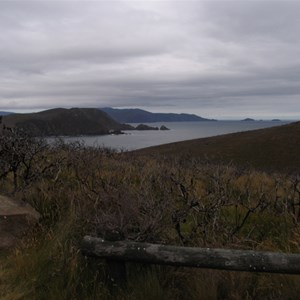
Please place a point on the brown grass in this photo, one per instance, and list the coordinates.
(167, 200)
(272, 149)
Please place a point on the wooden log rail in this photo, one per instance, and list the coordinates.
(222, 259)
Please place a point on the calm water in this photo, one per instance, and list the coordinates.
(179, 131)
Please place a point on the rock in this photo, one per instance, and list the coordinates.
(16, 218)
(163, 127)
(116, 132)
(145, 127)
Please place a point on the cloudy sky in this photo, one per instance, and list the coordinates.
(219, 59)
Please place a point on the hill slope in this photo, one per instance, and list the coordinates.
(275, 148)
(60, 121)
(143, 116)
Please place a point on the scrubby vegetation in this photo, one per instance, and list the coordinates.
(272, 149)
(181, 201)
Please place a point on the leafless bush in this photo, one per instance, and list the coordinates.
(26, 159)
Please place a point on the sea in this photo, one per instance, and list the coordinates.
(179, 131)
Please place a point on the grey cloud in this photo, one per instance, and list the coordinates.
(207, 57)
(255, 19)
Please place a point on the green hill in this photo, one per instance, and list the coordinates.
(61, 121)
(275, 148)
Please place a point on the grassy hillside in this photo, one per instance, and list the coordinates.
(60, 121)
(275, 148)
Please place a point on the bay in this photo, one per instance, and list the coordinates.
(179, 131)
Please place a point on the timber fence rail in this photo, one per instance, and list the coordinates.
(120, 252)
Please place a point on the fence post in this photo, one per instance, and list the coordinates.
(115, 269)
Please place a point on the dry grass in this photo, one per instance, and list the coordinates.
(271, 149)
(171, 200)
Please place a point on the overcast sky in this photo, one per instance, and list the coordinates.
(219, 59)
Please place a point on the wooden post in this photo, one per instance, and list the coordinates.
(116, 273)
(223, 259)
(115, 269)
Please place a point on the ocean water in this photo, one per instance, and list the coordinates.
(179, 131)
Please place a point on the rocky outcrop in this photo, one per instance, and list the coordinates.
(145, 127)
(16, 218)
(163, 127)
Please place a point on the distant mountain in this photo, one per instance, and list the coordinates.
(248, 120)
(61, 121)
(135, 115)
(5, 113)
